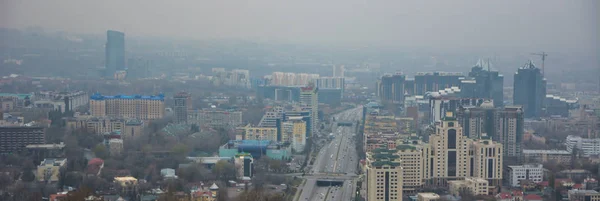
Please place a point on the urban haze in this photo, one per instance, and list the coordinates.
(309, 100)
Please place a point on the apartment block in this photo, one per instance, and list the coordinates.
(543, 156)
(125, 106)
(260, 133)
(215, 118)
(384, 176)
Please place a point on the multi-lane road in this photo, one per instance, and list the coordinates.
(336, 157)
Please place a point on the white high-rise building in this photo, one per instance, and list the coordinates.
(309, 96)
(338, 70)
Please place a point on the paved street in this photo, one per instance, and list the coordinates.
(338, 156)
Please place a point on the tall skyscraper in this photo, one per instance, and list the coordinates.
(449, 148)
(509, 130)
(309, 96)
(181, 107)
(488, 82)
(338, 70)
(391, 88)
(114, 52)
(529, 90)
(504, 125)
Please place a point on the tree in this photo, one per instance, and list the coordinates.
(28, 168)
(224, 171)
(100, 151)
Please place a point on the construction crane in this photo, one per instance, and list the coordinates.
(543, 55)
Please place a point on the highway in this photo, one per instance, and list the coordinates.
(336, 157)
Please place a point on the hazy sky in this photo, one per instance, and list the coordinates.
(443, 23)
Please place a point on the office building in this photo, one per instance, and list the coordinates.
(545, 156)
(530, 90)
(49, 169)
(11, 101)
(309, 96)
(391, 88)
(435, 81)
(488, 83)
(587, 146)
(14, 138)
(136, 106)
(234, 78)
(183, 103)
(530, 172)
(583, 195)
(279, 93)
(384, 176)
(114, 52)
(338, 70)
(476, 186)
(244, 164)
(449, 152)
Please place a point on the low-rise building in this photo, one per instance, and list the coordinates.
(532, 172)
(477, 186)
(543, 156)
(49, 169)
(257, 148)
(168, 173)
(588, 146)
(584, 195)
(427, 196)
(215, 118)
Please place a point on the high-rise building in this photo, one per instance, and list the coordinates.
(434, 81)
(244, 164)
(137, 106)
(413, 166)
(488, 82)
(449, 148)
(384, 176)
(530, 90)
(114, 52)
(183, 103)
(477, 121)
(391, 88)
(309, 96)
(486, 162)
(504, 125)
(330, 83)
(338, 70)
(510, 129)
